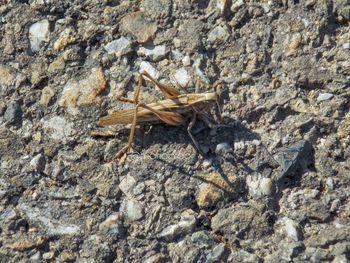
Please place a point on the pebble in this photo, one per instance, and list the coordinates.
(36, 257)
(49, 225)
(57, 65)
(182, 77)
(58, 128)
(291, 229)
(67, 36)
(8, 214)
(223, 148)
(137, 24)
(184, 226)
(67, 256)
(13, 114)
(176, 54)
(145, 66)
(218, 34)
(119, 47)
(346, 45)
(293, 157)
(47, 94)
(39, 33)
(216, 254)
(202, 239)
(335, 206)
(207, 163)
(210, 192)
(27, 244)
(49, 255)
(38, 162)
(157, 258)
(112, 224)
(260, 186)
(82, 92)
(155, 53)
(127, 184)
(290, 249)
(244, 256)
(236, 5)
(295, 41)
(330, 183)
(7, 76)
(343, 130)
(132, 209)
(340, 259)
(186, 61)
(324, 96)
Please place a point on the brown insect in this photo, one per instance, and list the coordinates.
(175, 110)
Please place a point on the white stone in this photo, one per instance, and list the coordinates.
(169, 232)
(223, 148)
(266, 186)
(127, 184)
(182, 77)
(145, 66)
(59, 128)
(259, 186)
(47, 222)
(218, 33)
(346, 45)
(186, 61)
(291, 229)
(154, 52)
(236, 5)
(119, 46)
(184, 226)
(176, 54)
(207, 163)
(324, 96)
(38, 162)
(38, 33)
(132, 209)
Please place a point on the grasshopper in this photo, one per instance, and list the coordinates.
(173, 110)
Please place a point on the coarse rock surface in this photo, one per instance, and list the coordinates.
(270, 185)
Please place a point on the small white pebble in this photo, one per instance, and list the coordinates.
(346, 45)
(118, 46)
(324, 96)
(291, 229)
(146, 66)
(223, 148)
(266, 186)
(182, 77)
(186, 61)
(207, 163)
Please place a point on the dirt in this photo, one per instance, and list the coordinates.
(270, 186)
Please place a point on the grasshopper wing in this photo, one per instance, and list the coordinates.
(143, 115)
(118, 117)
(171, 118)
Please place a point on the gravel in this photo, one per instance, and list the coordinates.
(271, 185)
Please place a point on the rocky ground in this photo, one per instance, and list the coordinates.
(272, 187)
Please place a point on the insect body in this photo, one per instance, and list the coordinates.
(174, 110)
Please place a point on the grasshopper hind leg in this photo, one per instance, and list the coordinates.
(189, 131)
